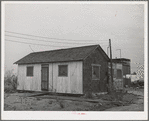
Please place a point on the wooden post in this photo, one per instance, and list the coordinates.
(107, 51)
(111, 85)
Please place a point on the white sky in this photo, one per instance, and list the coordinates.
(122, 23)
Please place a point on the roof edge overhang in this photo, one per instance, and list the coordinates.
(81, 59)
(21, 58)
(15, 62)
(50, 62)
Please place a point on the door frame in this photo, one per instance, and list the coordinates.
(45, 66)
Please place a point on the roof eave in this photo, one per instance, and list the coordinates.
(15, 62)
(50, 62)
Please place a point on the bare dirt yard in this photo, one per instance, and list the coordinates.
(137, 105)
(130, 101)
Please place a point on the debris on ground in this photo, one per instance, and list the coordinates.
(99, 102)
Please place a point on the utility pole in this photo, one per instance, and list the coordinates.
(111, 62)
(107, 51)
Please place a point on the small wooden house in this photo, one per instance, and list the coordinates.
(73, 70)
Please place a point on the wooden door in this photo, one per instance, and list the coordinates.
(44, 78)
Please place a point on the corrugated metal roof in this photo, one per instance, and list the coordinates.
(61, 55)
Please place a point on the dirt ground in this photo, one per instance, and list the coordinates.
(133, 100)
(138, 105)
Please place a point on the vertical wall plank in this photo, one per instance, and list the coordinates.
(70, 84)
(73, 82)
(29, 83)
(50, 77)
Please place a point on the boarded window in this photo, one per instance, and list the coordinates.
(95, 71)
(119, 74)
(63, 70)
(29, 71)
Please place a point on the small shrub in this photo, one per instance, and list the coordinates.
(89, 95)
(61, 104)
(10, 82)
(113, 96)
(57, 99)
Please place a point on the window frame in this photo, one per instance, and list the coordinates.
(32, 71)
(59, 70)
(97, 65)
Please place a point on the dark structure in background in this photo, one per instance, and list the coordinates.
(117, 71)
(126, 69)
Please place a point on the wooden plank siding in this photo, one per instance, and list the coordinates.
(73, 83)
(32, 83)
(70, 84)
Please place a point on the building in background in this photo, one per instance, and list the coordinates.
(125, 67)
(117, 70)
